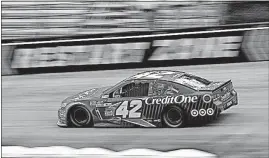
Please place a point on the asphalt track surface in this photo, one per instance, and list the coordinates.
(30, 103)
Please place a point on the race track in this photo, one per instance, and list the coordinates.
(30, 103)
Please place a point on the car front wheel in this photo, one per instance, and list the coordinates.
(80, 116)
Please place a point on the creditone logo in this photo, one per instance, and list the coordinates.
(172, 100)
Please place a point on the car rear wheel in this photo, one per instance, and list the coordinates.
(173, 117)
(80, 116)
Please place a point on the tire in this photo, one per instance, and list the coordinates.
(173, 117)
(80, 116)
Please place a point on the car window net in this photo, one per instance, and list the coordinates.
(135, 90)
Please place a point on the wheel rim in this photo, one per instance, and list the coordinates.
(174, 116)
(80, 116)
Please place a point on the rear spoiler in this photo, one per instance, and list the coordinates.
(225, 83)
(215, 86)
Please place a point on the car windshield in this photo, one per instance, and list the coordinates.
(118, 84)
(192, 81)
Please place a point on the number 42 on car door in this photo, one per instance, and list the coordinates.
(129, 109)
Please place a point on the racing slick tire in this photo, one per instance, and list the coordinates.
(173, 117)
(80, 116)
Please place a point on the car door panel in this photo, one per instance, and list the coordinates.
(122, 108)
(125, 102)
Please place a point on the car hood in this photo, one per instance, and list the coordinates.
(85, 95)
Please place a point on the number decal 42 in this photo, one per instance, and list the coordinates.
(130, 110)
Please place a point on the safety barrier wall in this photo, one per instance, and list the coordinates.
(234, 43)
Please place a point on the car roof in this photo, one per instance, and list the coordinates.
(165, 75)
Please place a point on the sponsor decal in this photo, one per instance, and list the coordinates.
(202, 112)
(172, 100)
(210, 111)
(97, 103)
(225, 96)
(85, 94)
(109, 112)
(213, 47)
(79, 55)
(81, 96)
(176, 49)
(207, 98)
(229, 104)
(114, 105)
(194, 112)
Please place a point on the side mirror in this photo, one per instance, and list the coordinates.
(105, 96)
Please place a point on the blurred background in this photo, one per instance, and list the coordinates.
(34, 19)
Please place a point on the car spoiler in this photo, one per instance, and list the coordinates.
(214, 86)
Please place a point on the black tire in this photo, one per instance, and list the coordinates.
(80, 116)
(173, 117)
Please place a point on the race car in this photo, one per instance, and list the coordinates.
(160, 98)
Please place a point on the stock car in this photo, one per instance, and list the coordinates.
(160, 98)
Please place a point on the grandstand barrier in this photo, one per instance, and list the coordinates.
(234, 43)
